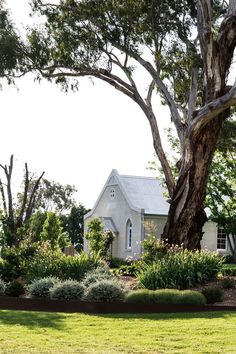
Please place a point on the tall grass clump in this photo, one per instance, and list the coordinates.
(180, 269)
(62, 266)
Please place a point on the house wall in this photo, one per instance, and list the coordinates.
(119, 210)
(209, 240)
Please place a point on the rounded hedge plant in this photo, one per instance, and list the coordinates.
(106, 291)
(68, 290)
(166, 296)
(98, 274)
(15, 289)
(42, 287)
(212, 295)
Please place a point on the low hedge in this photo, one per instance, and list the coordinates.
(229, 270)
(166, 296)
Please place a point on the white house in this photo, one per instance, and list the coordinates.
(127, 203)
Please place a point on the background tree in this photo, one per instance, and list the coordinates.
(73, 224)
(186, 50)
(53, 232)
(221, 197)
(15, 215)
(12, 54)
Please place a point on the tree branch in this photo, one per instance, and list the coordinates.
(31, 203)
(25, 196)
(3, 197)
(211, 110)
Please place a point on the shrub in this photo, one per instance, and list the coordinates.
(227, 283)
(15, 288)
(98, 274)
(15, 260)
(229, 270)
(128, 270)
(180, 269)
(165, 296)
(2, 287)
(64, 267)
(41, 287)
(153, 249)
(105, 290)
(212, 295)
(116, 262)
(68, 290)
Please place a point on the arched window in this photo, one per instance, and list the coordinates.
(129, 234)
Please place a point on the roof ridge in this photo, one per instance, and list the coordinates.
(143, 177)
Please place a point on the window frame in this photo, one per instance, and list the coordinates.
(220, 233)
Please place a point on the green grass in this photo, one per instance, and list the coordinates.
(24, 332)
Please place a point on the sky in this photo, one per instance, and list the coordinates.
(76, 138)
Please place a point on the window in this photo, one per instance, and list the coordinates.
(129, 234)
(112, 193)
(221, 239)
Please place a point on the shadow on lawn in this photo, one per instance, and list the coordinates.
(169, 316)
(32, 319)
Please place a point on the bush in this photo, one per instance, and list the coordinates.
(2, 287)
(56, 264)
(68, 290)
(130, 270)
(116, 262)
(41, 287)
(229, 270)
(227, 283)
(98, 274)
(153, 249)
(166, 296)
(15, 288)
(180, 269)
(105, 290)
(212, 295)
(15, 260)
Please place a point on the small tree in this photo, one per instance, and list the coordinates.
(53, 232)
(99, 240)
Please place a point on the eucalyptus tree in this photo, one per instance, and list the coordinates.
(186, 49)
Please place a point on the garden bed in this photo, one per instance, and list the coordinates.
(26, 304)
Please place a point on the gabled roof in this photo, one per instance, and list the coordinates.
(140, 193)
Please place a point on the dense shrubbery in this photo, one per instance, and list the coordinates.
(153, 249)
(15, 288)
(229, 270)
(42, 287)
(213, 295)
(166, 296)
(68, 290)
(58, 265)
(228, 283)
(105, 290)
(98, 274)
(180, 269)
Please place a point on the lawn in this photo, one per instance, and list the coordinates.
(41, 332)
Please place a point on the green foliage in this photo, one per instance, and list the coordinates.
(116, 262)
(228, 283)
(166, 296)
(53, 232)
(56, 264)
(105, 290)
(16, 260)
(15, 288)
(73, 225)
(229, 270)
(153, 249)
(41, 287)
(2, 287)
(68, 290)
(180, 269)
(131, 269)
(99, 240)
(98, 274)
(212, 295)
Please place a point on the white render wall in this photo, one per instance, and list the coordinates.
(120, 212)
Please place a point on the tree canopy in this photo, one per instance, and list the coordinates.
(185, 49)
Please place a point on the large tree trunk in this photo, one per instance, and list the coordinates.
(186, 216)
